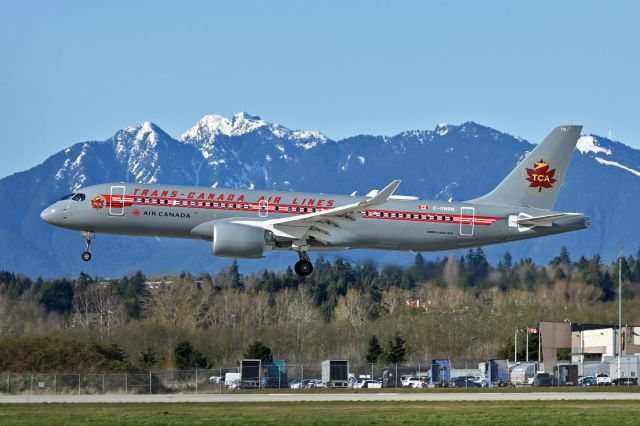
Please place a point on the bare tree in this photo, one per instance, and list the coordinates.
(354, 307)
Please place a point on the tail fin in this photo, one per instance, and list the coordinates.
(536, 180)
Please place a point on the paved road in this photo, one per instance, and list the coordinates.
(428, 396)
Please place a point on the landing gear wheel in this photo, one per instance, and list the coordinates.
(303, 267)
(88, 236)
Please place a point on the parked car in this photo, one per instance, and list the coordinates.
(413, 382)
(603, 379)
(299, 384)
(464, 382)
(625, 381)
(316, 384)
(370, 384)
(587, 381)
(542, 380)
(216, 379)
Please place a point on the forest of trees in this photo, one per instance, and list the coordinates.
(461, 308)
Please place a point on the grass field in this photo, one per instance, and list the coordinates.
(321, 413)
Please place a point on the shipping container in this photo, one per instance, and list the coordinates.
(440, 373)
(497, 372)
(565, 375)
(277, 374)
(250, 373)
(335, 373)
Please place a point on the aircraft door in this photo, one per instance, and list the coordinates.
(263, 208)
(467, 216)
(116, 204)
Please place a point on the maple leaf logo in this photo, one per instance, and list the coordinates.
(97, 203)
(540, 176)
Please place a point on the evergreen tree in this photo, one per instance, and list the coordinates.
(57, 296)
(187, 357)
(506, 263)
(563, 257)
(235, 279)
(606, 284)
(84, 280)
(258, 350)
(374, 350)
(397, 351)
(148, 358)
(136, 289)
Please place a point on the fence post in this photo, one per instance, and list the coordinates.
(149, 382)
(196, 381)
(103, 383)
(126, 383)
(78, 384)
(55, 384)
(8, 377)
(220, 380)
(31, 389)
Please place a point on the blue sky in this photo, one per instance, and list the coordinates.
(75, 70)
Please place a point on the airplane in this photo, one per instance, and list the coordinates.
(242, 223)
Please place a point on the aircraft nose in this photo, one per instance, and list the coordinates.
(52, 215)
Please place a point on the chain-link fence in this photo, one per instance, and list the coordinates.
(316, 376)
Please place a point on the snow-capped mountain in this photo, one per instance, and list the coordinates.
(450, 162)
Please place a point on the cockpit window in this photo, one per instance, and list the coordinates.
(66, 197)
(78, 197)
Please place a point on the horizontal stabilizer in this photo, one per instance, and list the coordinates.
(546, 220)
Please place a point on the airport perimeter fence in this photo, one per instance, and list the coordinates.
(227, 379)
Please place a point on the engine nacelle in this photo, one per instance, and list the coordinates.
(234, 240)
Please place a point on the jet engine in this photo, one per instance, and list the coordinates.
(234, 240)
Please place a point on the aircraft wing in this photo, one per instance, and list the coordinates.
(295, 227)
(546, 220)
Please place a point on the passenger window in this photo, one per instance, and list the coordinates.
(277, 208)
(158, 201)
(289, 208)
(450, 218)
(166, 202)
(397, 215)
(444, 218)
(404, 215)
(411, 216)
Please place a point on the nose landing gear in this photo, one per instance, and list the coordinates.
(304, 266)
(88, 236)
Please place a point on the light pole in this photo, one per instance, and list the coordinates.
(619, 311)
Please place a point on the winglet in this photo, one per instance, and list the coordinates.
(383, 195)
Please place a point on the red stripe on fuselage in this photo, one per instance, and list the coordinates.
(421, 216)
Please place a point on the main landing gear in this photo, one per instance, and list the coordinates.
(88, 236)
(303, 266)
